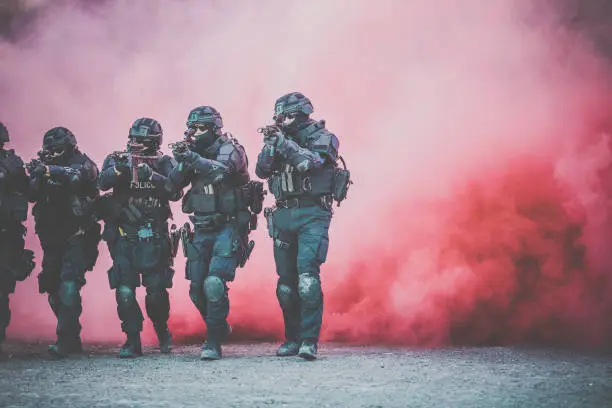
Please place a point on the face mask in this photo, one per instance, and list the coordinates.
(291, 122)
(204, 136)
(144, 146)
(57, 152)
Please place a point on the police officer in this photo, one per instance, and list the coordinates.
(16, 263)
(136, 231)
(63, 186)
(299, 160)
(216, 166)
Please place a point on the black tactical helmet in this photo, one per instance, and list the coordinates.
(203, 115)
(292, 103)
(147, 131)
(58, 137)
(4, 135)
(59, 142)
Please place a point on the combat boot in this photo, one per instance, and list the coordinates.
(308, 350)
(211, 350)
(64, 347)
(288, 349)
(164, 337)
(132, 348)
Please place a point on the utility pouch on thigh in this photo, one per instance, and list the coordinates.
(186, 240)
(169, 277)
(113, 278)
(269, 221)
(253, 222)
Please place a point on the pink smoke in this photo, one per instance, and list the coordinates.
(469, 132)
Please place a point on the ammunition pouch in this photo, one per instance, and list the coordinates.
(342, 182)
(208, 199)
(290, 183)
(256, 196)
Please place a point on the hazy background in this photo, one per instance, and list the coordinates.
(476, 135)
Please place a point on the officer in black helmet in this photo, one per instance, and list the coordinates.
(224, 204)
(64, 189)
(299, 160)
(136, 230)
(16, 263)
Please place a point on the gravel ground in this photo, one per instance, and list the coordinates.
(251, 376)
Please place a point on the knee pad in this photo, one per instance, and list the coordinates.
(125, 295)
(309, 288)
(214, 288)
(285, 295)
(69, 293)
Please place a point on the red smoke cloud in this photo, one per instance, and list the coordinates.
(479, 210)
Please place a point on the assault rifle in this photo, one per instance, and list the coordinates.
(44, 156)
(179, 147)
(183, 145)
(133, 156)
(268, 131)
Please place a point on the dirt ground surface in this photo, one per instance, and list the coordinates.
(251, 376)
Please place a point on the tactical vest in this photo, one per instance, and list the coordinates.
(59, 209)
(232, 195)
(286, 182)
(140, 202)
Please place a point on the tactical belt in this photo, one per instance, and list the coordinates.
(210, 221)
(305, 201)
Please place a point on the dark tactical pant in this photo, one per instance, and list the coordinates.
(62, 277)
(212, 259)
(301, 241)
(11, 247)
(133, 258)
